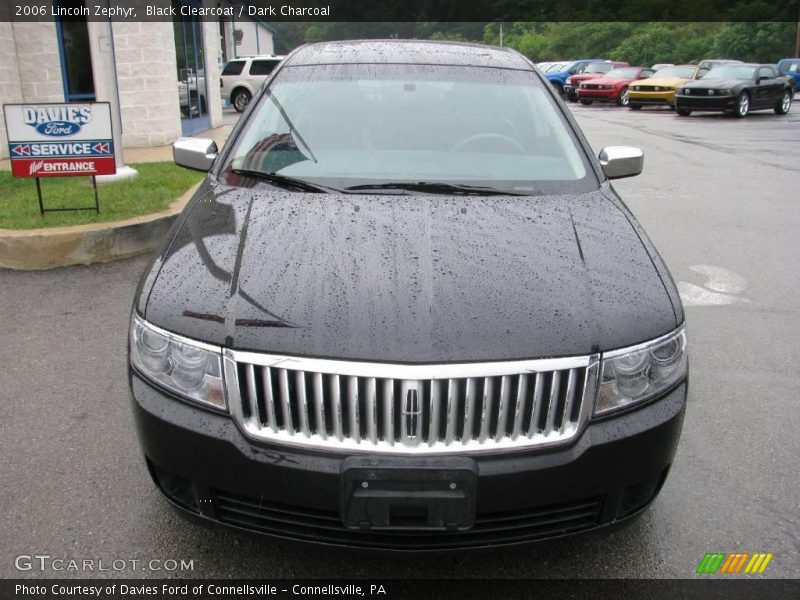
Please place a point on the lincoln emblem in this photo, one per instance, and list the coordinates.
(411, 415)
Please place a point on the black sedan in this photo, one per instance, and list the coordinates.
(737, 89)
(407, 309)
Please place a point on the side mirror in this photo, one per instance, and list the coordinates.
(621, 161)
(194, 153)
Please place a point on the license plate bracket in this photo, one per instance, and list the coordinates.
(408, 494)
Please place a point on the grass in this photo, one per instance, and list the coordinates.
(157, 186)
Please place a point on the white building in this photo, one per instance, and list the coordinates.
(163, 76)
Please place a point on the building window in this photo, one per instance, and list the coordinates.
(76, 58)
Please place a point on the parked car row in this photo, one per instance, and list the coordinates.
(712, 85)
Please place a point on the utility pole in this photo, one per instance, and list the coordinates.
(797, 39)
(501, 33)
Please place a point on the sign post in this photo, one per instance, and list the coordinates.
(60, 140)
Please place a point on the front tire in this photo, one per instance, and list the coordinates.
(785, 104)
(635, 106)
(240, 100)
(559, 88)
(623, 99)
(742, 105)
(586, 102)
(683, 112)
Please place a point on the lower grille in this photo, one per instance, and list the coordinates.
(489, 529)
(403, 408)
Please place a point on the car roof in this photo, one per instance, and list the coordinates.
(407, 52)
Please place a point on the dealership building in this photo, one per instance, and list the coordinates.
(162, 78)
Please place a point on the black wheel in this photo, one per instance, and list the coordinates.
(240, 100)
(572, 97)
(559, 88)
(586, 102)
(786, 103)
(683, 112)
(635, 106)
(623, 99)
(742, 105)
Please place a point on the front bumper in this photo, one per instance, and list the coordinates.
(707, 103)
(598, 95)
(652, 98)
(201, 461)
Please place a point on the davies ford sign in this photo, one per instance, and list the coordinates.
(58, 140)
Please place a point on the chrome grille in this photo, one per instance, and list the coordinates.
(409, 408)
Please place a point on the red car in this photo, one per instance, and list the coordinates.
(611, 87)
(592, 71)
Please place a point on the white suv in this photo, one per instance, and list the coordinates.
(241, 78)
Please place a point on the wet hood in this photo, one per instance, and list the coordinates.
(417, 278)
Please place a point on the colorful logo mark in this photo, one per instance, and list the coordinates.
(734, 562)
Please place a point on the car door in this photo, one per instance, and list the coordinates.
(767, 88)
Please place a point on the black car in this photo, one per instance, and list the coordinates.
(737, 89)
(407, 310)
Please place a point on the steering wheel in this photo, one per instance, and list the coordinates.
(482, 137)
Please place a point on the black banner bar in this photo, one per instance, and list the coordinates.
(405, 10)
(392, 589)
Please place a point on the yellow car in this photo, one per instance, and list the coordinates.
(660, 88)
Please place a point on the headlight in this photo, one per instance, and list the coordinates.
(636, 374)
(188, 368)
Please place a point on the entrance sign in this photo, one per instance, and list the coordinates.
(60, 140)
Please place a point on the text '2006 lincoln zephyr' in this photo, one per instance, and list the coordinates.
(407, 310)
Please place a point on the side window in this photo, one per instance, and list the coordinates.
(233, 68)
(262, 67)
(646, 73)
(766, 73)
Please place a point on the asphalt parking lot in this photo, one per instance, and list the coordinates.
(719, 199)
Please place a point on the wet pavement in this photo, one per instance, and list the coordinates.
(719, 199)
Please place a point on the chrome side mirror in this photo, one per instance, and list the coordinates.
(621, 161)
(194, 153)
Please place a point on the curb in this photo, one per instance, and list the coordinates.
(49, 248)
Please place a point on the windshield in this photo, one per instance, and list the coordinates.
(790, 67)
(556, 67)
(623, 73)
(681, 72)
(598, 68)
(354, 125)
(731, 72)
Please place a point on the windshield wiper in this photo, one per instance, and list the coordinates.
(292, 128)
(287, 182)
(432, 187)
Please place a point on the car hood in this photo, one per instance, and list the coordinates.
(409, 278)
(660, 81)
(607, 80)
(583, 76)
(714, 83)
